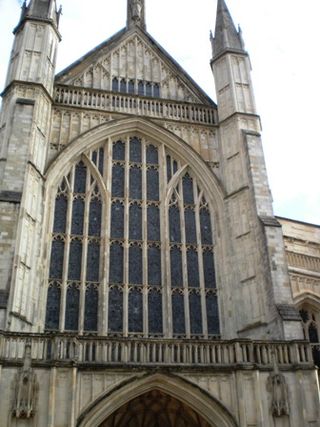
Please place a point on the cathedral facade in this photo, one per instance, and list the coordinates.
(145, 281)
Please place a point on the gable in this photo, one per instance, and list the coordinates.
(132, 62)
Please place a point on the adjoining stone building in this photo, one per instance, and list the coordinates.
(145, 280)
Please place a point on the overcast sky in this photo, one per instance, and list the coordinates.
(282, 38)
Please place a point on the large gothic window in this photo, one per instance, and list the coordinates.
(132, 246)
(311, 328)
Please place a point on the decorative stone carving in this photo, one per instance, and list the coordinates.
(25, 389)
(278, 388)
(136, 9)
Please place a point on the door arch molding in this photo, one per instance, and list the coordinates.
(210, 408)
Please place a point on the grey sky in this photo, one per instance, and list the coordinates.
(282, 39)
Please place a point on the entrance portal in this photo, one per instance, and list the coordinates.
(155, 409)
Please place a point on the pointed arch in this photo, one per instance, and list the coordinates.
(201, 402)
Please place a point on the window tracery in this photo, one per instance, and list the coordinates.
(137, 258)
(311, 329)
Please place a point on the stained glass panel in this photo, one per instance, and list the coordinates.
(93, 261)
(153, 222)
(101, 160)
(135, 222)
(152, 154)
(152, 184)
(135, 150)
(72, 308)
(117, 220)
(118, 151)
(75, 258)
(195, 313)
(212, 314)
(135, 310)
(91, 309)
(60, 214)
(80, 178)
(174, 224)
(118, 180)
(156, 91)
(116, 263)
(193, 268)
(208, 269)
(123, 86)
(77, 216)
(154, 266)
(205, 222)
(56, 260)
(176, 267)
(53, 307)
(115, 309)
(131, 86)
(187, 183)
(190, 223)
(135, 183)
(155, 312)
(135, 264)
(178, 316)
(95, 218)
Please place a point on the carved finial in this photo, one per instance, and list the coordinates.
(136, 14)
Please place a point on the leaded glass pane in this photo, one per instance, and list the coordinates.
(115, 85)
(80, 178)
(135, 222)
(56, 260)
(131, 86)
(135, 183)
(118, 151)
(75, 256)
(176, 267)
(208, 269)
(212, 314)
(53, 307)
(148, 89)
(313, 333)
(72, 308)
(141, 88)
(116, 263)
(155, 311)
(77, 216)
(193, 268)
(153, 222)
(190, 223)
(123, 86)
(135, 310)
(304, 315)
(195, 313)
(205, 222)
(156, 91)
(174, 224)
(117, 220)
(91, 309)
(152, 184)
(115, 309)
(60, 214)
(135, 150)
(187, 183)
(178, 316)
(101, 160)
(93, 261)
(95, 218)
(169, 172)
(118, 180)
(152, 154)
(154, 266)
(135, 264)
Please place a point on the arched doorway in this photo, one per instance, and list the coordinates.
(155, 409)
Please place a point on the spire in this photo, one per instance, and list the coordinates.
(136, 14)
(226, 35)
(40, 9)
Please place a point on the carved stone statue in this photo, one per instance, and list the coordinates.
(25, 389)
(136, 10)
(278, 388)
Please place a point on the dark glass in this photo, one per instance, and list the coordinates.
(117, 220)
(123, 86)
(205, 223)
(156, 91)
(94, 157)
(169, 171)
(56, 260)
(101, 160)
(313, 333)
(152, 155)
(53, 307)
(118, 181)
(154, 266)
(135, 150)
(72, 308)
(60, 214)
(116, 263)
(135, 264)
(95, 218)
(178, 318)
(148, 89)
(93, 261)
(208, 269)
(77, 216)
(195, 313)
(155, 312)
(75, 255)
(176, 267)
(91, 309)
(174, 222)
(141, 88)
(153, 184)
(187, 183)
(212, 314)
(115, 85)
(135, 222)
(304, 315)
(193, 268)
(153, 222)
(135, 183)
(118, 151)
(115, 309)
(190, 223)
(135, 319)
(131, 86)
(80, 178)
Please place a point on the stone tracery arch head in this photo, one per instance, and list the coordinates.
(140, 392)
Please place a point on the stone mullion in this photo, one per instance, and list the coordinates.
(201, 271)
(184, 262)
(64, 285)
(144, 242)
(126, 242)
(84, 254)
